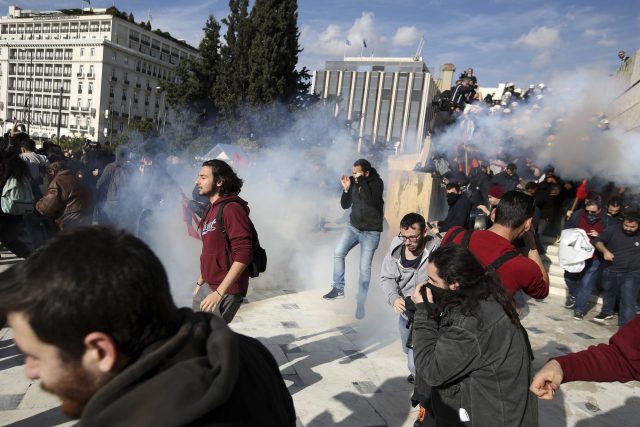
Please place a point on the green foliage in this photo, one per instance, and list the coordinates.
(72, 142)
(249, 83)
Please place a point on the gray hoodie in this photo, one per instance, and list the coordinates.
(398, 281)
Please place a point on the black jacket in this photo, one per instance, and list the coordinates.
(204, 375)
(480, 368)
(508, 183)
(365, 201)
(458, 215)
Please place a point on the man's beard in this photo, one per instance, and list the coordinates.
(75, 389)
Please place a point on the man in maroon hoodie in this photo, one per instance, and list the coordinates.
(617, 361)
(224, 279)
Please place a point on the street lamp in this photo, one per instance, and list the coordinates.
(27, 103)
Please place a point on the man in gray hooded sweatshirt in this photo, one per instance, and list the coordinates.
(403, 268)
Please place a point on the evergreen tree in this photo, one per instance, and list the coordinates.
(231, 86)
(274, 53)
(197, 76)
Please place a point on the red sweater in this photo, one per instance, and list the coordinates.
(617, 361)
(213, 260)
(517, 273)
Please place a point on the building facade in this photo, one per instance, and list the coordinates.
(383, 100)
(91, 74)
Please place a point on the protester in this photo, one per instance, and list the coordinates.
(119, 207)
(469, 345)
(459, 210)
(12, 226)
(226, 242)
(508, 179)
(579, 285)
(69, 202)
(512, 220)
(620, 248)
(402, 269)
(362, 192)
(616, 361)
(104, 335)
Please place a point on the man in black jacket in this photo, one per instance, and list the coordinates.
(459, 210)
(104, 335)
(508, 179)
(363, 194)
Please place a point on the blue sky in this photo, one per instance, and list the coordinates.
(525, 41)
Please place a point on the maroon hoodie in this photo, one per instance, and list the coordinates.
(213, 260)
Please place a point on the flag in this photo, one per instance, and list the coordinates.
(348, 43)
(364, 43)
(189, 217)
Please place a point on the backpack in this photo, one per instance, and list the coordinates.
(259, 262)
(17, 197)
(497, 263)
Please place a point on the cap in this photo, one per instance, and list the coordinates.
(496, 191)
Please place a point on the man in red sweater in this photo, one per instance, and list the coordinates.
(224, 260)
(512, 220)
(617, 361)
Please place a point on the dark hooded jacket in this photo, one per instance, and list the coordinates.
(111, 185)
(365, 201)
(479, 368)
(204, 375)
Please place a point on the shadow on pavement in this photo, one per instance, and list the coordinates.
(50, 417)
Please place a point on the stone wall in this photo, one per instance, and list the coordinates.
(410, 191)
(625, 110)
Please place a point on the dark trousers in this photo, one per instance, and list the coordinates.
(226, 309)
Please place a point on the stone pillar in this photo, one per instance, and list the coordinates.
(448, 70)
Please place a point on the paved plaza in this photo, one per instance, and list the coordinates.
(343, 372)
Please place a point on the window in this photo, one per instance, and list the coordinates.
(126, 59)
(114, 56)
(91, 69)
(80, 87)
(90, 89)
(93, 51)
(81, 51)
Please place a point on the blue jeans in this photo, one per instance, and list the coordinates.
(404, 336)
(581, 284)
(368, 241)
(625, 285)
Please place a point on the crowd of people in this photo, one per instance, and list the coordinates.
(103, 333)
(48, 190)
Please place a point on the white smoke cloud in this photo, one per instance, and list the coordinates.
(561, 130)
(406, 36)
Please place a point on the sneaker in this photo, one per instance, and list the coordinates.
(422, 414)
(578, 315)
(602, 317)
(359, 311)
(411, 379)
(569, 302)
(334, 293)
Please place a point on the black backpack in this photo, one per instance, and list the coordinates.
(497, 263)
(259, 263)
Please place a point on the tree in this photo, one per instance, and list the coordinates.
(197, 76)
(273, 56)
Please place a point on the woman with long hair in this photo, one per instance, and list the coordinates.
(469, 345)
